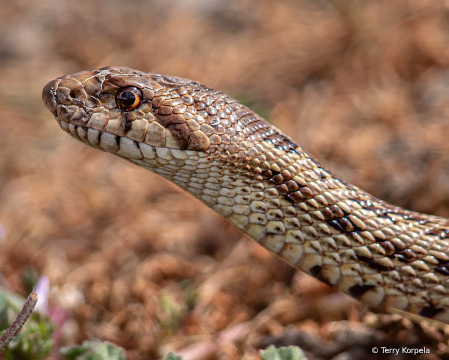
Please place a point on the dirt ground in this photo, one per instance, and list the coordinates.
(363, 86)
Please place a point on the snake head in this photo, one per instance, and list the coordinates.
(105, 107)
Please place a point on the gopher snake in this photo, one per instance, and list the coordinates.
(256, 177)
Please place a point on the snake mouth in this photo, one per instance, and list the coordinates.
(49, 96)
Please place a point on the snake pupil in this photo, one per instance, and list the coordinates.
(128, 98)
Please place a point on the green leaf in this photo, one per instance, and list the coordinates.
(172, 356)
(283, 353)
(93, 350)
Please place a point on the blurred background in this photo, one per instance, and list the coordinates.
(363, 86)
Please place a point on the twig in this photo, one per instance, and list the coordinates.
(20, 320)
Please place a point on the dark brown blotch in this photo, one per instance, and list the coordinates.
(398, 244)
(278, 179)
(286, 175)
(399, 258)
(388, 247)
(443, 270)
(408, 254)
(292, 185)
(306, 192)
(181, 133)
(336, 211)
(358, 290)
(315, 270)
(441, 233)
(167, 120)
(296, 196)
(376, 266)
(346, 225)
(373, 264)
(282, 189)
(335, 224)
(341, 224)
(430, 311)
(327, 213)
(281, 141)
(356, 227)
(379, 239)
(267, 174)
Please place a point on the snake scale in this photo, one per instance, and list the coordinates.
(256, 177)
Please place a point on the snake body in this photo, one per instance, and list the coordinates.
(262, 182)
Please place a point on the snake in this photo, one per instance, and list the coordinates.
(262, 182)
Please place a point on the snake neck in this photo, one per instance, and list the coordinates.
(290, 204)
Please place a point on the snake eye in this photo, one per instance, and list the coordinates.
(128, 98)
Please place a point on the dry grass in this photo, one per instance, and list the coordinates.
(364, 86)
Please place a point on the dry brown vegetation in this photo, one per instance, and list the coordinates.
(363, 86)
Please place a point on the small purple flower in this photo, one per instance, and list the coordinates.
(42, 289)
